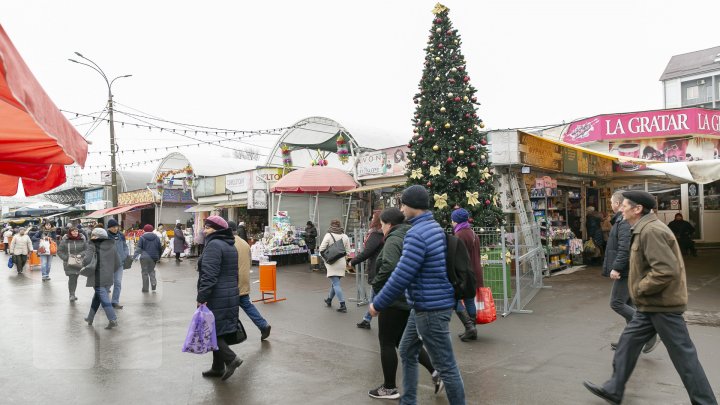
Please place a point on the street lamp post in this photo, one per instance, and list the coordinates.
(113, 146)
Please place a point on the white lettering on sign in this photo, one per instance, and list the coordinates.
(709, 123)
(371, 164)
(648, 124)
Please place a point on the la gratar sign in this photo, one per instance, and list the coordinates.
(648, 124)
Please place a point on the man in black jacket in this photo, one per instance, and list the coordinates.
(683, 231)
(616, 266)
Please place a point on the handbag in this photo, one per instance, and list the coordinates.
(334, 252)
(88, 270)
(75, 260)
(127, 263)
(11, 262)
(485, 305)
(237, 337)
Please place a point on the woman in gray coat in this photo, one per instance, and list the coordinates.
(178, 242)
(72, 252)
(101, 260)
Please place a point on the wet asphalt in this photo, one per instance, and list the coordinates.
(318, 356)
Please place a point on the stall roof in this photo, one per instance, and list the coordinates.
(375, 187)
(116, 210)
(316, 179)
(200, 208)
(204, 165)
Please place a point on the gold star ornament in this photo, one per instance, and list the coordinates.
(439, 9)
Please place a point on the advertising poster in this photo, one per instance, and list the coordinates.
(665, 150)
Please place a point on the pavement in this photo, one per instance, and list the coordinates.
(316, 355)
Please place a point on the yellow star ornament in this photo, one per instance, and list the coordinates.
(416, 174)
(441, 200)
(435, 170)
(462, 172)
(472, 198)
(439, 8)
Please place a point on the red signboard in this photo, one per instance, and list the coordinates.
(647, 124)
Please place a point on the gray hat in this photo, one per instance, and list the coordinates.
(99, 233)
(641, 197)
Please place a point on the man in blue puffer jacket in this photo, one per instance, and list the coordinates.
(422, 275)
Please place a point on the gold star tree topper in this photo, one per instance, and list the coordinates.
(439, 9)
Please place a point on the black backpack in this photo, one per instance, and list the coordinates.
(459, 268)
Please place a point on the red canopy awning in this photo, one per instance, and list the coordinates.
(37, 140)
(106, 212)
(316, 179)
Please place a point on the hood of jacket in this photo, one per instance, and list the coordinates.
(398, 231)
(152, 236)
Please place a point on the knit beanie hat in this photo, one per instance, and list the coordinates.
(232, 225)
(216, 222)
(460, 215)
(148, 228)
(99, 233)
(416, 197)
(112, 222)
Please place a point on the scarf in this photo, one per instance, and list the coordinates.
(461, 226)
(78, 237)
(336, 229)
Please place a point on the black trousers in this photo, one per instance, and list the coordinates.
(391, 326)
(673, 331)
(223, 356)
(20, 261)
(72, 283)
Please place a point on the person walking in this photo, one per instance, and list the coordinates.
(616, 266)
(241, 231)
(71, 251)
(392, 320)
(149, 249)
(372, 243)
(20, 248)
(123, 252)
(217, 287)
(244, 264)
(7, 236)
(593, 225)
(421, 273)
(101, 260)
(311, 234)
(336, 269)
(178, 242)
(658, 287)
(45, 257)
(465, 309)
(684, 232)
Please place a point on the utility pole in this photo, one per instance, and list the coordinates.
(110, 106)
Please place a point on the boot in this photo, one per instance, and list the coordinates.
(470, 331)
(112, 324)
(342, 308)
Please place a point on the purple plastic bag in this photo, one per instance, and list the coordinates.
(201, 337)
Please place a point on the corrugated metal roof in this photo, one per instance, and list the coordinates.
(692, 63)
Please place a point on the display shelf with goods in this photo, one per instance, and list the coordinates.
(276, 244)
(550, 209)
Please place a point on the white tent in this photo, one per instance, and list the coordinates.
(700, 172)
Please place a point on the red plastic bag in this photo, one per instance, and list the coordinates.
(485, 306)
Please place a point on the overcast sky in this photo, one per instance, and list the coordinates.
(265, 64)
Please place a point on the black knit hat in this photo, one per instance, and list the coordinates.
(416, 197)
(641, 197)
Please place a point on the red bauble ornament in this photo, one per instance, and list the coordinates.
(466, 116)
(461, 68)
(466, 79)
(474, 115)
(429, 184)
(483, 142)
(457, 99)
(473, 164)
(449, 32)
(470, 220)
(416, 101)
(431, 130)
(474, 99)
(472, 147)
(438, 20)
(421, 139)
(452, 81)
(487, 202)
(455, 182)
(409, 145)
(449, 160)
(469, 130)
(440, 46)
(482, 181)
(424, 162)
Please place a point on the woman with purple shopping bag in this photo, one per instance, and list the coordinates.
(218, 288)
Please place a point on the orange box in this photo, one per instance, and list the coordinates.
(268, 276)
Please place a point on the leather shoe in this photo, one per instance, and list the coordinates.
(213, 373)
(117, 306)
(265, 333)
(231, 368)
(600, 391)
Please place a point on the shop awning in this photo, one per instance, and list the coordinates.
(375, 187)
(37, 140)
(200, 208)
(117, 210)
(99, 213)
(232, 203)
(315, 179)
(701, 172)
(610, 156)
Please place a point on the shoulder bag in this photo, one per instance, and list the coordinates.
(236, 337)
(88, 270)
(334, 251)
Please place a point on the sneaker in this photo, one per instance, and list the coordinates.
(613, 346)
(117, 306)
(112, 324)
(437, 381)
(265, 333)
(328, 302)
(651, 344)
(363, 325)
(384, 393)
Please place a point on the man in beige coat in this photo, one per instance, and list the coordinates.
(244, 264)
(658, 288)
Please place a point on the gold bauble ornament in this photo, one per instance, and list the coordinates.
(466, 98)
(462, 138)
(454, 70)
(442, 109)
(437, 59)
(436, 148)
(437, 78)
(438, 30)
(450, 94)
(415, 130)
(447, 125)
(482, 125)
(461, 152)
(427, 123)
(456, 42)
(413, 154)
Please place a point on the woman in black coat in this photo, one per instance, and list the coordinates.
(72, 246)
(101, 259)
(372, 245)
(218, 288)
(178, 242)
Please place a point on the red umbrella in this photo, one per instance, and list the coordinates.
(37, 140)
(316, 179)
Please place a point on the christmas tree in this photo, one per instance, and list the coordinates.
(448, 153)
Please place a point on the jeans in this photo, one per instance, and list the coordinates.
(433, 327)
(117, 285)
(467, 304)
(147, 266)
(367, 316)
(336, 289)
(620, 301)
(252, 312)
(102, 297)
(45, 265)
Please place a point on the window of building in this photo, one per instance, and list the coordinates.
(692, 93)
(668, 196)
(712, 196)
